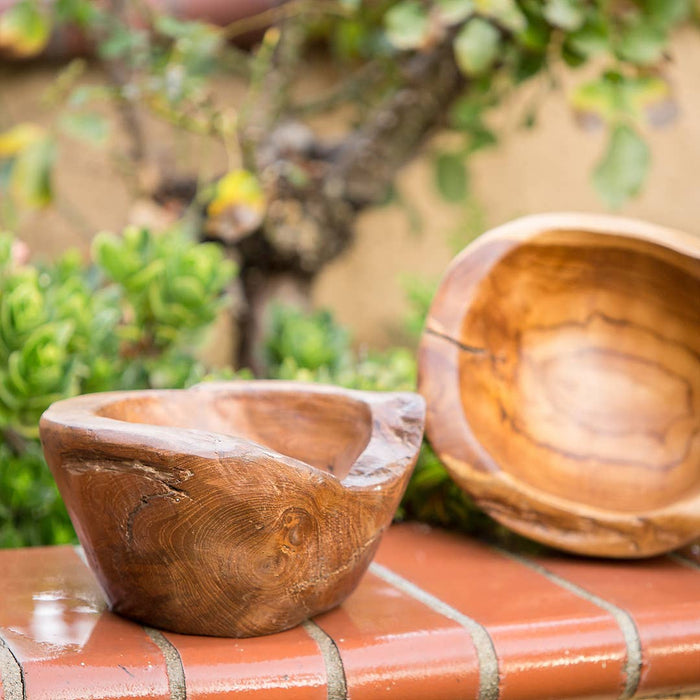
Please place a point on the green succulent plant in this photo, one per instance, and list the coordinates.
(130, 320)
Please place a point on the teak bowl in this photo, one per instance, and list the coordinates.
(561, 368)
(236, 508)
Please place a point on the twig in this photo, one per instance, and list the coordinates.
(278, 13)
(369, 157)
(273, 70)
(119, 75)
(352, 88)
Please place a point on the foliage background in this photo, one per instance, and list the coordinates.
(629, 89)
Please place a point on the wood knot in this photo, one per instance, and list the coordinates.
(296, 525)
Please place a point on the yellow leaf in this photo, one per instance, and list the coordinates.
(19, 137)
(24, 29)
(30, 181)
(238, 188)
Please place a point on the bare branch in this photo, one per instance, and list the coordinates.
(369, 158)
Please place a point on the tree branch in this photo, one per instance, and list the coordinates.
(369, 158)
(120, 75)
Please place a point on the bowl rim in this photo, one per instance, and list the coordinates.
(395, 431)
(538, 514)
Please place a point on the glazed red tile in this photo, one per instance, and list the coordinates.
(53, 618)
(277, 667)
(663, 597)
(550, 642)
(392, 645)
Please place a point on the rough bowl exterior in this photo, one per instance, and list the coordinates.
(231, 509)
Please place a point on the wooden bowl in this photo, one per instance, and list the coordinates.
(235, 508)
(561, 368)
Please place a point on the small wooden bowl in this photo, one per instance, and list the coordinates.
(236, 508)
(561, 368)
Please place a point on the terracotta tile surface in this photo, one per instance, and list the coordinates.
(550, 643)
(51, 617)
(392, 645)
(662, 595)
(440, 616)
(277, 667)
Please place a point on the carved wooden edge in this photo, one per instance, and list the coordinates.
(285, 540)
(397, 420)
(493, 245)
(544, 517)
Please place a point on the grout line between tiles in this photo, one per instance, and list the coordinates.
(684, 561)
(336, 683)
(11, 674)
(624, 620)
(485, 650)
(173, 664)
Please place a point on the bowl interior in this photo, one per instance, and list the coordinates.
(326, 431)
(584, 374)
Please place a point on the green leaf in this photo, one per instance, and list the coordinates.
(666, 13)
(571, 57)
(141, 279)
(451, 176)
(453, 11)
(118, 44)
(83, 94)
(107, 251)
(642, 43)
(565, 14)
(476, 46)
(87, 126)
(80, 12)
(623, 169)
(593, 38)
(614, 96)
(504, 12)
(31, 174)
(171, 26)
(407, 25)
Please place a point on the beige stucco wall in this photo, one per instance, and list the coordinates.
(544, 169)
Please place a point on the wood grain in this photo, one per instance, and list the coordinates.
(236, 508)
(561, 367)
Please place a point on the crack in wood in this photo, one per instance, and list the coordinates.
(472, 349)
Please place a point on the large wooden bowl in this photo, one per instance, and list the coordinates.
(561, 367)
(231, 509)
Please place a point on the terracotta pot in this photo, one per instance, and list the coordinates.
(68, 41)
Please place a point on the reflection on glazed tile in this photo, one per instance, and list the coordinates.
(49, 622)
(550, 642)
(49, 600)
(54, 620)
(531, 620)
(663, 597)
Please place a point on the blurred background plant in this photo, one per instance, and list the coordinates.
(129, 321)
(288, 199)
(286, 202)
